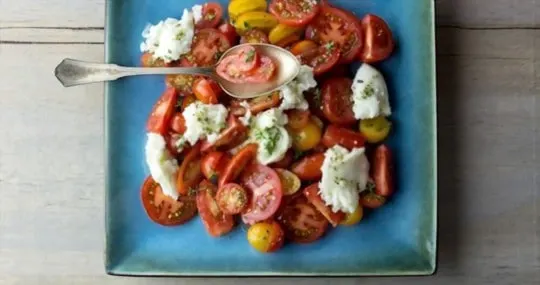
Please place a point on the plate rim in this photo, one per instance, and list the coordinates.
(430, 257)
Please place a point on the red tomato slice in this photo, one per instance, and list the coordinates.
(309, 167)
(232, 198)
(215, 221)
(211, 16)
(163, 209)
(208, 46)
(301, 222)
(312, 194)
(230, 33)
(264, 72)
(237, 164)
(234, 132)
(321, 59)
(213, 164)
(236, 67)
(189, 173)
(183, 83)
(382, 171)
(336, 101)
(206, 90)
(345, 137)
(159, 119)
(294, 12)
(264, 185)
(378, 40)
(333, 25)
(254, 36)
(178, 123)
(370, 199)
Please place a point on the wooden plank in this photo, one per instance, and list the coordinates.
(22, 35)
(90, 13)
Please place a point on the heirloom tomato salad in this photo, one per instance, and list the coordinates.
(290, 165)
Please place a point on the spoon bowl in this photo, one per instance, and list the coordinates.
(71, 72)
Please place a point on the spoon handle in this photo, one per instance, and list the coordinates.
(71, 72)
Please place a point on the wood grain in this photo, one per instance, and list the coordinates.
(51, 180)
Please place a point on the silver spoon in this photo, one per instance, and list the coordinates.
(71, 72)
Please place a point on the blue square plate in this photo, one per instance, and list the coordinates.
(398, 239)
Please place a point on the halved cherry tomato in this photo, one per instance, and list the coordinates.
(354, 217)
(382, 171)
(378, 40)
(189, 173)
(208, 46)
(264, 72)
(375, 130)
(302, 222)
(232, 198)
(230, 33)
(333, 25)
(256, 105)
(213, 164)
(163, 209)
(215, 221)
(371, 200)
(307, 137)
(234, 132)
(321, 59)
(254, 36)
(211, 16)
(266, 236)
(309, 167)
(238, 66)
(336, 101)
(345, 137)
(265, 190)
(289, 181)
(178, 123)
(285, 162)
(312, 194)
(147, 60)
(182, 82)
(298, 118)
(206, 90)
(303, 46)
(294, 12)
(239, 7)
(159, 119)
(237, 164)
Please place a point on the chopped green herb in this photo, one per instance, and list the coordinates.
(368, 91)
(268, 137)
(210, 16)
(218, 55)
(250, 56)
(330, 45)
(180, 35)
(298, 154)
(179, 102)
(247, 25)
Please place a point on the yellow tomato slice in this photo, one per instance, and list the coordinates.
(354, 217)
(239, 7)
(255, 20)
(282, 32)
(375, 130)
(290, 183)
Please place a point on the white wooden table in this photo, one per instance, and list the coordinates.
(51, 167)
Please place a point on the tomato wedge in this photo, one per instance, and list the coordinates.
(239, 66)
(285, 162)
(234, 132)
(312, 194)
(309, 167)
(321, 59)
(301, 222)
(206, 90)
(163, 209)
(342, 136)
(213, 164)
(208, 46)
(178, 123)
(294, 12)
(256, 105)
(232, 198)
(147, 60)
(333, 25)
(382, 171)
(237, 164)
(337, 105)
(303, 46)
(264, 72)
(189, 174)
(158, 121)
(211, 16)
(181, 82)
(265, 189)
(378, 40)
(215, 221)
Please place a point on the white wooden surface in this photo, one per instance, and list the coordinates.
(51, 170)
